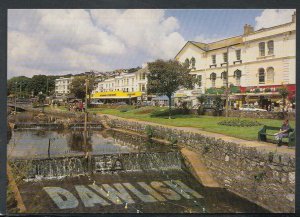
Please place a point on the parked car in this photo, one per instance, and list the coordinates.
(97, 103)
(120, 103)
(247, 107)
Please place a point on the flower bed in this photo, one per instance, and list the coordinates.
(239, 123)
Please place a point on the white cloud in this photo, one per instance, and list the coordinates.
(148, 31)
(273, 17)
(54, 41)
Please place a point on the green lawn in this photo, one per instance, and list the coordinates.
(208, 123)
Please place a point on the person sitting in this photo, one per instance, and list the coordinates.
(283, 132)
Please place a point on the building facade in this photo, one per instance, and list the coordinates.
(62, 86)
(124, 86)
(263, 59)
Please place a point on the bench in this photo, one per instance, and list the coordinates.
(262, 134)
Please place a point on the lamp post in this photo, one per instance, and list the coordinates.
(227, 75)
(16, 83)
(227, 68)
(86, 96)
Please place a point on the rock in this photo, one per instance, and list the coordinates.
(226, 158)
(290, 197)
(292, 177)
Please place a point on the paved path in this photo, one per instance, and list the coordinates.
(257, 144)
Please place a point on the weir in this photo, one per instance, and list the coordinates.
(80, 165)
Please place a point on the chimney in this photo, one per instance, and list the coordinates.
(294, 17)
(248, 29)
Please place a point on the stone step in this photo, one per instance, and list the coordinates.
(198, 168)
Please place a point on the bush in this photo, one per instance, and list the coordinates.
(177, 111)
(267, 90)
(239, 123)
(149, 131)
(124, 108)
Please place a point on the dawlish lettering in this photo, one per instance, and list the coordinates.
(121, 193)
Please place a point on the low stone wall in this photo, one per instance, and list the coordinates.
(263, 177)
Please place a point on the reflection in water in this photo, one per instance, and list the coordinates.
(80, 141)
(35, 144)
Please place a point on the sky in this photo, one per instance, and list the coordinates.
(62, 41)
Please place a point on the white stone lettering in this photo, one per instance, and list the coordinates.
(168, 193)
(154, 193)
(88, 197)
(56, 192)
(144, 197)
(182, 189)
(112, 194)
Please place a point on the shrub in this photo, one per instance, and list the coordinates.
(149, 131)
(257, 90)
(239, 123)
(267, 90)
(165, 112)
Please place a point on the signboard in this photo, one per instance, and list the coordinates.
(115, 94)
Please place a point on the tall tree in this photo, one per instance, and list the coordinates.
(19, 85)
(77, 87)
(38, 84)
(166, 77)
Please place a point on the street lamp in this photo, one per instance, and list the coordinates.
(16, 83)
(227, 75)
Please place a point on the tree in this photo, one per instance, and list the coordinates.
(38, 84)
(41, 99)
(166, 77)
(284, 92)
(19, 86)
(218, 104)
(77, 87)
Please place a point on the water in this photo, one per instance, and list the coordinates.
(30, 144)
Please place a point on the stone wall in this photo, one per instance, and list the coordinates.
(263, 177)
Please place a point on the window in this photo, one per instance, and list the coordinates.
(213, 78)
(213, 58)
(224, 77)
(270, 47)
(193, 62)
(237, 75)
(187, 62)
(225, 57)
(261, 48)
(270, 75)
(143, 76)
(199, 80)
(238, 54)
(261, 76)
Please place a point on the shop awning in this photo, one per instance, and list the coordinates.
(115, 95)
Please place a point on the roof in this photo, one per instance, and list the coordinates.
(227, 41)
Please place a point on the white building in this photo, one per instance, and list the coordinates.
(126, 82)
(263, 59)
(124, 86)
(62, 86)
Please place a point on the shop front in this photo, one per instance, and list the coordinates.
(187, 96)
(112, 97)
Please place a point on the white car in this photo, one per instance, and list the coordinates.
(251, 108)
(97, 103)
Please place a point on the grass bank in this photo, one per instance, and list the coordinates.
(207, 123)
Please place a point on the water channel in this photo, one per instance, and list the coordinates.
(108, 171)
